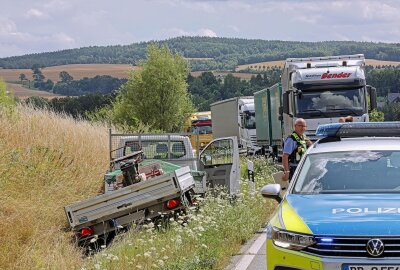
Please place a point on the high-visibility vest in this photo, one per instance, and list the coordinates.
(300, 150)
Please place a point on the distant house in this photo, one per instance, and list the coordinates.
(393, 97)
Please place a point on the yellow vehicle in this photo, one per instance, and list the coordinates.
(199, 124)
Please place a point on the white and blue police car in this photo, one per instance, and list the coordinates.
(341, 210)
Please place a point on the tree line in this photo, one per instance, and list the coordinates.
(224, 53)
(67, 86)
(204, 89)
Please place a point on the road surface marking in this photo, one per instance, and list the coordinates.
(246, 259)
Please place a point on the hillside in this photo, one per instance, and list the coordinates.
(222, 53)
(48, 161)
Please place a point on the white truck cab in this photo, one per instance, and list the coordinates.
(323, 89)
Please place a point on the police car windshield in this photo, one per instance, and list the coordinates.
(335, 102)
(350, 172)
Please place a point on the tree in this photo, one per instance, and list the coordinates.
(156, 95)
(65, 77)
(376, 116)
(22, 77)
(37, 74)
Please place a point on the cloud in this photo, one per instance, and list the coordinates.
(13, 41)
(201, 32)
(234, 28)
(45, 25)
(36, 14)
(7, 26)
(207, 33)
(199, 6)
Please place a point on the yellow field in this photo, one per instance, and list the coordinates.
(373, 62)
(224, 73)
(261, 65)
(77, 71)
(23, 93)
(264, 65)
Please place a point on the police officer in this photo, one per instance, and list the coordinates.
(294, 148)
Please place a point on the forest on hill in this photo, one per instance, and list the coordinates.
(225, 53)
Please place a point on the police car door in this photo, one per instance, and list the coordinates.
(220, 160)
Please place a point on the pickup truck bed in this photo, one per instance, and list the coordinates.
(120, 208)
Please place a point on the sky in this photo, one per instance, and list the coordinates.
(51, 25)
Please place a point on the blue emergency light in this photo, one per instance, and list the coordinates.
(359, 129)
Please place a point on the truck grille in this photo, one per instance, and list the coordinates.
(343, 246)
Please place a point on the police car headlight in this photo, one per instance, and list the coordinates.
(288, 239)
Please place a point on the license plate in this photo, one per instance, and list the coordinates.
(371, 267)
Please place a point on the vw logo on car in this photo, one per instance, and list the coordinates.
(375, 247)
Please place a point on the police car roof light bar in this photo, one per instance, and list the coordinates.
(359, 129)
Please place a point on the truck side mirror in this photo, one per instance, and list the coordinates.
(372, 96)
(285, 103)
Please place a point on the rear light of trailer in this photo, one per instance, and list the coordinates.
(171, 204)
(85, 232)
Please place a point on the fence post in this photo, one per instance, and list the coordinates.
(250, 177)
(110, 142)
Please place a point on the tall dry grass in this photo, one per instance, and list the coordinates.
(47, 161)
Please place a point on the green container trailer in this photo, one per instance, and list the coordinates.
(268, 120)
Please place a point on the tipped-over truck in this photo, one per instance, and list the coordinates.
(318, 89)
(139, 192)
(152, 175)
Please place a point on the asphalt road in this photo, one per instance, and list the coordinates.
(251, 255)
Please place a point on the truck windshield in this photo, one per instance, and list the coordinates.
(249, 120)
(201, 129)
(331, 102)
(350, 172)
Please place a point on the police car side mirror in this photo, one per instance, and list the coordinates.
(272, 191)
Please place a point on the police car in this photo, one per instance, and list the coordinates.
(342, 208)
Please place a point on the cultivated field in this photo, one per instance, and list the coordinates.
(279, 64)
(373, 62)
(261, 65)
(224, 73)
(77, 71)
(23, 93)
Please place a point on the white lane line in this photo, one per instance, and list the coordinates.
(246, 259)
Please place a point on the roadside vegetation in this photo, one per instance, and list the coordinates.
(47, 162)
(205, 238)
(50, 160)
